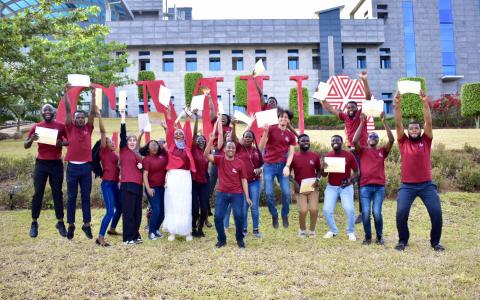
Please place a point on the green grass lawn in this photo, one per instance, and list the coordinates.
(278, 266)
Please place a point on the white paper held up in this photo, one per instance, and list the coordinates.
(242, 117)
(269, 117)
(46, 135)
(122, 100)
(220, 107)
(148, 128)
(407, 86)
(372, 107)
(197, 102)
(259, 67)
(335, 164)
(164, 95)
(307, 185)
(98, 98)
(78, 80)
(143, 121)
(323, 90)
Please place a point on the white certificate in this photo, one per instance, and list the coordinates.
(259, 67)
(46, 135)
(98, 98)
(307, 185)
(269, 117)
(242, 117)
(143, 122)
(372, 107)
(335, 164)
(122, 100)
(197, 102)
(220, 107)
(164, 95)
(79, 80)
(323, 90)
(407, 86)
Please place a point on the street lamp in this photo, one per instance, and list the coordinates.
(229, 91)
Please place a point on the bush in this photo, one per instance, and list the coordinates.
(470, 95)
(412, 106)
(190, 81)
(324, 121)
(144, 76)
(293, 103)
(6, 117)
(241, 98)
(379, 124)
(469, 178)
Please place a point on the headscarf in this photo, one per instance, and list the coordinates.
(180, 144)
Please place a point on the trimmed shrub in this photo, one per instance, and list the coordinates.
(379, 125)
(293, 103)
(189, 83)
(324, 121)
(412, 106)
(470, 95)
(144, 76)
(241, 98)
(469, 178)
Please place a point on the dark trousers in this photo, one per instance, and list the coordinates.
(200, 203)
(131, 194)
(427, 191)
(212, 181)
(79, 174)
(53, 171)
(157, 205)
(236, 202)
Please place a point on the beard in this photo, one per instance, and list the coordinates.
(414, 139)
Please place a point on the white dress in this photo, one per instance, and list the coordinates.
(178, 202)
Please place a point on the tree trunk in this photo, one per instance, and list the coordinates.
(477, 121)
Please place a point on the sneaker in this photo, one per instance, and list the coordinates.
(70, 231)
(329, 235)
(129, 243)
(352, 237)
(358, 220)
(171, 238)
(88, 231)
(61, 229)
(241, 244)
(301, 234)
(380, 241)
(34, 230)
(112, 231)
(311, 233)
(158, 234)
(285, 221)
(220, 244)
(366, 242)
(194, 233)
(104, 244)
(275, 222)
(138, 240)
(438, 248)
(400, 247)
(245, 233)
(208, 224)
(152, 236)
(257, 234)
(189, 238)
(200, 233)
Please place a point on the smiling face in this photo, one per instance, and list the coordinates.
(132, 142)
(48, 112)
(272, 102)
(153, 147)
(201, 142)
(352, 109)
(230, 150)
(224, 120)
(373, 139)
(283, 119)
(336, 143)
(79, 119)
(110, 144)
(179, 136)
(248, 138)
(304, 143)
(227, 136)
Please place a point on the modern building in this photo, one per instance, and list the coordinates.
(434, 39)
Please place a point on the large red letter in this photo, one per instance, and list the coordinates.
(211, 84)
(301, 121)
(255, 104)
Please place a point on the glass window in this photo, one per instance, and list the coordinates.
(191, 52)
(445, 4)
(237, 51)
(264, 60)
(385, 62)
(191, 64)
(143, 53)
(449, 70)
(448, 58)
(445, 16)
(317, 108)
(214, 52)
(316, 62)
(361, 50)
(409, 38)
(316, 51)
(384, 51)
(167, 65)
(361, 62)
(167, 53)
(237, 63)
(214, 64)
(293, 51)
(293, 63)
(144, 64)
(260, 51)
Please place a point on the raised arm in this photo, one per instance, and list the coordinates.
(358, 133)
(139, 138)
(398, 116)
(211, 106)
(220, 132)
(264, 139)
(208, 149)
(391, 139)
(68, 108)
(427, 115)
(234, 131)
(330, 109)
(363, 77)
(103, 133)
(123, 130)
(91, 115)
(259, 90)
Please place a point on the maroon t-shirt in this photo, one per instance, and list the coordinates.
(279, 141)
(79, 143)
(351, 126)
(109, 160)
(372, 165)
(128, 166)
(230, 174)
(350, 163)
(305, 165)
(201, 164)
(251, 159)
(157, 169)
(416, 165)
(45, 151)
(178, 159)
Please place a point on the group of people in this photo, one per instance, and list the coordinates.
(178, 175)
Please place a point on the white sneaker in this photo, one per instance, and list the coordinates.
(171, 238)
(129, 243)
(329, 235)
(152, 237)
(301, 234)
(159, 234)
(312, 233)
(352, 237)
(189, 238)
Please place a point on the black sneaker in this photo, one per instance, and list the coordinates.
(380, 241)
(200, 233)
(241, 244)
(88, 231)
(194, 233)
(70, 231)
(400, 247)
(285, 221)
(34, 230)
(275, 222)
(61, 229)
(220, 244)
(366, 242)
(358, 220)
(438, 248)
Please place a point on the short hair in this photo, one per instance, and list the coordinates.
(80, 112)
(285, 111)
(272, 98)
(229, 119)
(414, 122)
(354, 102)
(337, 136)
(303, 135)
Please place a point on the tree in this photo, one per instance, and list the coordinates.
(189, 83)
(144, 76)
(241, 98)
(37, 52)
(412, 106)
(470, 95)
(293, 103)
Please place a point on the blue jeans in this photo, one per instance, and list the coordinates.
(226, 220)
(79, 175)
(111, 197)
(157, 205)
(254, 188)
(427, 191)
(346, 195)
(372, 194)
(270, 171)
(236, 201)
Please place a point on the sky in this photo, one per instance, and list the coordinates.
(256, 9)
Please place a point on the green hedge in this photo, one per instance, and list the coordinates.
(293, 103)
(144, 76)
(412, 106)
(190, 81)
(324, 121)
(470, 96)
(241, 92)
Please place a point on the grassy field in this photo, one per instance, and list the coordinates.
(278, 266)
(452, 138)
